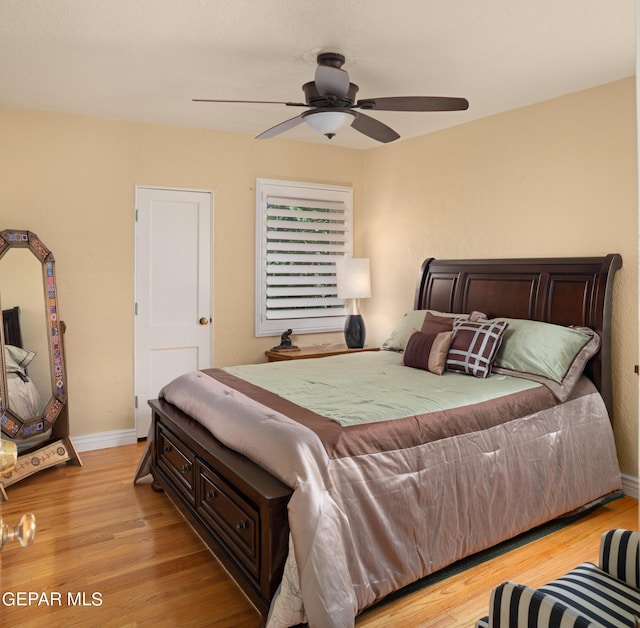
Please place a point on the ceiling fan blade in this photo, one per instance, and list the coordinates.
(280, 128)
(374, 128)
(255, 102)
(331, 81)
(414, 103)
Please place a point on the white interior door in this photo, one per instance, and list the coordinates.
(173, 290)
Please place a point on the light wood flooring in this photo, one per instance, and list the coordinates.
(99, 534)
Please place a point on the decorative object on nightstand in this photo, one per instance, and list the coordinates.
(353, 281)
(285, 342)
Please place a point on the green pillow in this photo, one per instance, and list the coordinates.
(540, 348)
(397, 341)
(552, 355)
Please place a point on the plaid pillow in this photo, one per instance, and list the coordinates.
(474, 346)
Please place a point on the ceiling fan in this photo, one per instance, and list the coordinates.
(331, 99)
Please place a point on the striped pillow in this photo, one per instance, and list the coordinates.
(474, 346)
(427, 351)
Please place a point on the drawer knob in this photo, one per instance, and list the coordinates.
(167, 449)
(242, 525)
(186, 468)
(211, 494)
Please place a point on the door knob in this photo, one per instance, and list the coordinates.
(25, 531)
(204, 320)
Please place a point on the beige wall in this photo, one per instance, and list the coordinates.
(554, 179)
(558, 178)
(72, 179)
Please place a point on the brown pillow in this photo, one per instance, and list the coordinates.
(435, 324)
(428, 351)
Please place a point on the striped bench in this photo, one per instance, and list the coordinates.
(589, 596)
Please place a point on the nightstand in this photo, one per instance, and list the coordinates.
(316, 351)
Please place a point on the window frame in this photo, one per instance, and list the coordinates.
(311, 193)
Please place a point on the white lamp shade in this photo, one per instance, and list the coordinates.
(328, 121)
(353, 278)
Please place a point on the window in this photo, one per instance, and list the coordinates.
(301, 229)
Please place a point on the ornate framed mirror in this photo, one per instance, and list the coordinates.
(33, 386)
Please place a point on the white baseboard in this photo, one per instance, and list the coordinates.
(104, 440)
(630, 486)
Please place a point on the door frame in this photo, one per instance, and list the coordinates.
(139, 187)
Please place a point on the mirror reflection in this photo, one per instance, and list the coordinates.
(27, 366)
(32, 374)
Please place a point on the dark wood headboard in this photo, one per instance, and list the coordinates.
(11, 325)
(566, 291)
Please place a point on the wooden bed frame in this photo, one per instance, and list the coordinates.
(567, 291)
(239, 510)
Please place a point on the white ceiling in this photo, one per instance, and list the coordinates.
(146, 59)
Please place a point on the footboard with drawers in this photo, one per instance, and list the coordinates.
(238, 510)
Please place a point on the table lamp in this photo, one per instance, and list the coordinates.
(352, 275)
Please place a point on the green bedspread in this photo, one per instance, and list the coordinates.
(372, 386)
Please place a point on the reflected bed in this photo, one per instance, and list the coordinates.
(24, 398)
(23, 394)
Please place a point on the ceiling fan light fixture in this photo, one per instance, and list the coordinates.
(331, 98)
(328, 122)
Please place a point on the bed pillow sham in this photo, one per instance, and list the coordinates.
(17, 359)
(551, 354)
(427, 351)
(474, 346)
(399, 337)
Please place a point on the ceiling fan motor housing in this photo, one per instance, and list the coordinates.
(332, 59)
(315, 99)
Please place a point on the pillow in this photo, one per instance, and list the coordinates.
(435, 324)
(427, 351)
(400, 335)
(412, 321)
(17, 359)
(474, 346)
(477, 316)
(553, 355)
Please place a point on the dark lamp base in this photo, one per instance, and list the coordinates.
(354, 331)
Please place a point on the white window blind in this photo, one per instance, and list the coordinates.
(301, 230)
